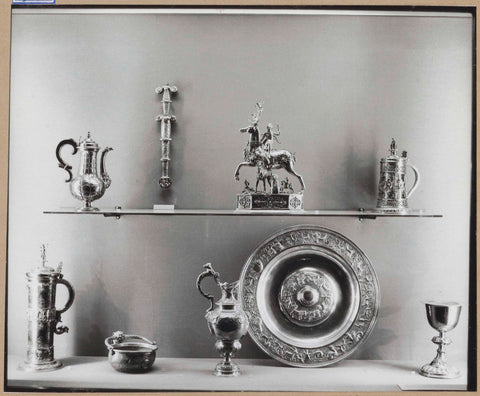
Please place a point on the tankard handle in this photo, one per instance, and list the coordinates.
(417, 180)
(71, 295)
(209, 271)
(61, 163)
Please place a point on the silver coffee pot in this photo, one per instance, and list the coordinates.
(227, 321)
(43, 316)
(87, 186)
(392, 193)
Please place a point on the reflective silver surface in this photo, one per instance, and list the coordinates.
(392, 192)
(260, 154)
(442, 317)
(43, 316)
(130, 353)
(227, 321)
(87, 186)
(166, 120)
(311, 296)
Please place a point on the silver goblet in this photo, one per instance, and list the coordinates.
(442, 317)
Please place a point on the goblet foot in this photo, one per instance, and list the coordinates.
(227, 369)
(439, 369)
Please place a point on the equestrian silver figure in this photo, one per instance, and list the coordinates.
(260, 154)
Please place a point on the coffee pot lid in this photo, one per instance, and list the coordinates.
(88, 143)
(44, 269)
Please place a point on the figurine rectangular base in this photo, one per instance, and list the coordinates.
(270, 201)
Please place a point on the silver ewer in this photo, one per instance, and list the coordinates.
(392, 193)
(227, 321)
(442, 317)
(43, 316)
(87, 186)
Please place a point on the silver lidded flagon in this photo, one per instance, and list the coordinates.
(43, 316)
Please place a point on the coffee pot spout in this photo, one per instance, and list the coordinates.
(103, 171)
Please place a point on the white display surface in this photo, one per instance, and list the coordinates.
(256, 375)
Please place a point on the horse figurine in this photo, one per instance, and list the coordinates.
(255, 151)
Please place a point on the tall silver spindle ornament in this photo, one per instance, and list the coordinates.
(43, 316)
(166, 120)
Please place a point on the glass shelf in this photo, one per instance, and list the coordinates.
(360, 213)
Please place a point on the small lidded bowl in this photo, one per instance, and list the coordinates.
(130, 353)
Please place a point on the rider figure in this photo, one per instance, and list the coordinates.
(266, 143)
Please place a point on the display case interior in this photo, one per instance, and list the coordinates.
(339, 83)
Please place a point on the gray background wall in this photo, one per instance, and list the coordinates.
(340, 87)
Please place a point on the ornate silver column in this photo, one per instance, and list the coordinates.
(165, 129)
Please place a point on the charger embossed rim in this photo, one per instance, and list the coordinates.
(311, 296)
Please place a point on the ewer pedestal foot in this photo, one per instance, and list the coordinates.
(227, 369)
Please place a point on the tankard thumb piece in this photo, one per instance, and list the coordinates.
(392, 193)
(43, 316)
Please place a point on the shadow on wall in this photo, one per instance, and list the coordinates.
(378, 338)
(360, 170)
(97, 317)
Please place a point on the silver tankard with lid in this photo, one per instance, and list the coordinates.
(87, 186)
(43, 316)
(392, 193)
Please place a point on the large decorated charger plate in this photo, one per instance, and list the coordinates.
(311, 295)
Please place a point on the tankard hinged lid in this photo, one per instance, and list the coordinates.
(43, 269)
(393, 157)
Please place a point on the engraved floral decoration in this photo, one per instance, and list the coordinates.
(368, 287)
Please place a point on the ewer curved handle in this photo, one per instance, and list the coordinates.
(417, 180)
(209, 271)
(61, 163)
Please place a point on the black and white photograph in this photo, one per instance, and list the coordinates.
(241, 198)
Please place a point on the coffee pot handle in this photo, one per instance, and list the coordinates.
(209, 271)
(61, 163)
(417, 180)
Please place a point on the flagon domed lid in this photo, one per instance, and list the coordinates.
(43, 269)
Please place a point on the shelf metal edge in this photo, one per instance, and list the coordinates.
(365, 214)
